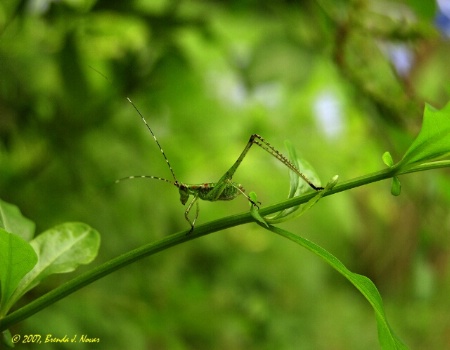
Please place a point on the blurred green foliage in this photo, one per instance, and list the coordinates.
(206, 75)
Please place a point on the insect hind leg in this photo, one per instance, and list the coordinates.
(241, 190)
(261, 142)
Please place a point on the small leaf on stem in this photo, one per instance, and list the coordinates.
(396, 187)
(387, 159)
(254, 210)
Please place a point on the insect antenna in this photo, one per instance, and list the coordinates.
(144, 177)
(175, 182)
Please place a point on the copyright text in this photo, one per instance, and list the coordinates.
(50, 338)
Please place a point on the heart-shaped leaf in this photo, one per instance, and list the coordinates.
(60, 249)
(17, 258)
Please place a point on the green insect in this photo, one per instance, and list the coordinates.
(224, 189)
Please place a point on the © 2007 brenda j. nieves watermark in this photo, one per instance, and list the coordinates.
(50, 338)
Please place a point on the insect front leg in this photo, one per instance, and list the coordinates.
(187, 211)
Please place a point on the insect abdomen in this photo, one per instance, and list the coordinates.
(229, 192)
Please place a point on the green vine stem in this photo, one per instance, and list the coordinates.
(201, 230)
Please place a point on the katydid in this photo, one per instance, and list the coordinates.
(224, 189)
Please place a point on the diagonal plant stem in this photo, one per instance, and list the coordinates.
(181, 237)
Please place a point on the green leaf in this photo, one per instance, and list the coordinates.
(386, 336)
(433, 140)
(396, 187)
(387, 159)
(254, 210)
(12, 220)
(297, 186)
(60, 249)
(6, 339)
(17, 258)
(288, 214)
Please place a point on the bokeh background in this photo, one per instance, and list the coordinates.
(344, 81)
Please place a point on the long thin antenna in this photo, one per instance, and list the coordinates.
(144, 177)
(156, 140)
